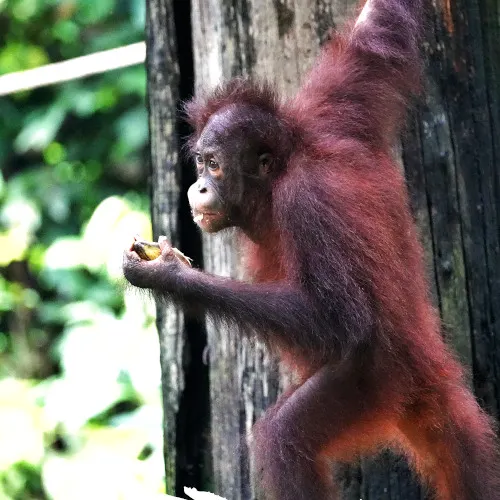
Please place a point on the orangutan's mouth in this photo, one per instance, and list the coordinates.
(199, 217)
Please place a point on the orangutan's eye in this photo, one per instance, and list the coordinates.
(213, 165)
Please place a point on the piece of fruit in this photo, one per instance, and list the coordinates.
(150, 250)
(146, 250)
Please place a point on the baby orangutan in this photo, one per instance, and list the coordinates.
(336, 282)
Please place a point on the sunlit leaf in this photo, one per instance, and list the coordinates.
(19, 212)
(13, 245)
(109, 231)
(65, 253)
(20, 412)
(72, 401)
(109, 457)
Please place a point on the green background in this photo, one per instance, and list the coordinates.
(80, 410)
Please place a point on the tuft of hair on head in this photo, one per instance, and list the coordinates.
(262, 95)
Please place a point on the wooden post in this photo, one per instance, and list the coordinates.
(163, 96)
(452, 155)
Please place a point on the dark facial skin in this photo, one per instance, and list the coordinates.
(233, 170)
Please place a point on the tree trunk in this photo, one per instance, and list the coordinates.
(451, 154)
(452, 157)
(182, 342)
(163, 94)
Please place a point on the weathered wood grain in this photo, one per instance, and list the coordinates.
(163, 95)
(452, 164)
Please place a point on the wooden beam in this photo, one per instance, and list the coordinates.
(79, 67)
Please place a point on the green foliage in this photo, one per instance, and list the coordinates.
(80, 412)
(22, 481)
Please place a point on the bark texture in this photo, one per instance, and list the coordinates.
(163, 83)
(182, 342)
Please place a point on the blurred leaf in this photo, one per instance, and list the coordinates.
(109, 457)
(54, 153)
(7, 296)
(18, 57)
(20, 412)
(20, 212)
(13, 245)
(22, 10)
(73, 401)
(133, 81)
(41, 128)
(35, 257)
(4, 341)
(132, 131)
(106, 97)
(92, 11)
(81, 98)
(66, 30)
(65, 253)
(70, 284)
(138, 11)
(22, 481)
(123, 35)
(109, 230)
(22, 219)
